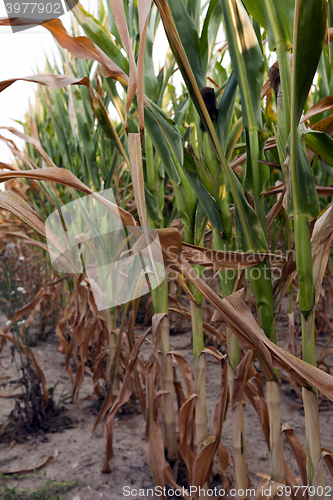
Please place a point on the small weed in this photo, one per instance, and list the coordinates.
(51, 489)
(64, 396)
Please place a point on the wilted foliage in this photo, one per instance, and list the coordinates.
(232, 178)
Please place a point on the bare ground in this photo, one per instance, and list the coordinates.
(78, 457)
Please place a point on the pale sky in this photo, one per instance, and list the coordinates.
(20, 55)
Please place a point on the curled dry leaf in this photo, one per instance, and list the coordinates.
(81, 46)
(28, 352)
(31, 140)
(298, 452)
(120, 20)
(320, 107)
(26, 471)
(245, 372)
(144, 10)
(122, 397)
(267, 489)
(218, 334)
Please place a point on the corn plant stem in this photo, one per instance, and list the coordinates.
(275, 438)
(113, 363)
(310, 401)
(150, 164)
(261, 282)
(201, 429)
(285, 78)
(312, 427)
(160, 304)
(227, 283)
(306, 296)
(302, 235)
(199, 360)
(308, 339)
(197, 329)
(238, 443)
(233, 349)
(330, 17)
(169, 417)
(288, 249)
(262, 287)
(258, 181)
(196, 312)
(200, 407)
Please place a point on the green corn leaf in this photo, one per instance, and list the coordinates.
(181, 110)
(201, 220)
(226, 109)
(57, 117)
(194, 10)
(208, 203)
(321, 144)
(154, 212)
(276, 16)
(233, 137)
(91, 173)
(169, 129)
(255, 239)
(209, 31)
(99, 35)
(301, 188)
(188, 35)
(151, 86)
(248, 64)
(246, 59)
(156, 134)
(112, 167)
(311, 23)
(105, 122)
(309, 34)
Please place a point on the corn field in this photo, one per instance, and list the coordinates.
(219, 167)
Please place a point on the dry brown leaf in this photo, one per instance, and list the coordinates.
(186, 445)
(219, 335)
(185, 371)
(320, 107)
(205, 459)
(10, 395)
(122, 397)
(26, 471)
(259, 404)
(28, 352)
(267, 489)
(120, 20)
(81, 46)
(32, 140)
(19, 207)
(144, 10)
(298, 452)
(244, 372)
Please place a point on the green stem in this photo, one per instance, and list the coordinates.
(308, 339)
(285, 77)
(197, 329)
